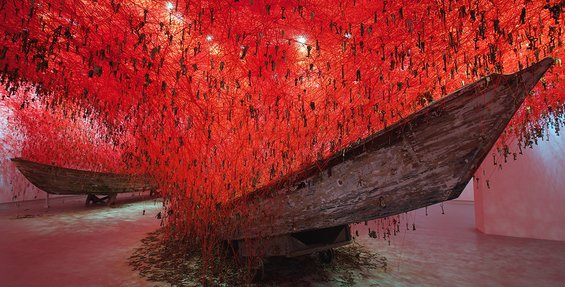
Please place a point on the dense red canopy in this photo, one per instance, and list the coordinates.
(215, 98)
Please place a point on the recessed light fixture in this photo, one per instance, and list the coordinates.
(301, 39)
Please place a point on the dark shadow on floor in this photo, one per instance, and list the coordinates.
(164, 262)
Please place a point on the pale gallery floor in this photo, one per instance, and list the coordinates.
(73, 245)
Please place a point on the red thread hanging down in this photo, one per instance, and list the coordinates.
(217, 98)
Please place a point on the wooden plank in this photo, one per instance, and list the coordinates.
(424, 159)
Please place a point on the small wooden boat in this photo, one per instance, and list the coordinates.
(59, 180)
(426, 158)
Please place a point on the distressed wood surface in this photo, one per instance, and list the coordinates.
(424, 159)
(58, 180)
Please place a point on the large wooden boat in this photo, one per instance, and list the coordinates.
(58, 180)
(426, 158)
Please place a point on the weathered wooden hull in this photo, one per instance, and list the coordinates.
(58, 180)
(424, 159)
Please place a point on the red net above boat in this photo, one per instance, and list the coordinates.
(217, 98)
